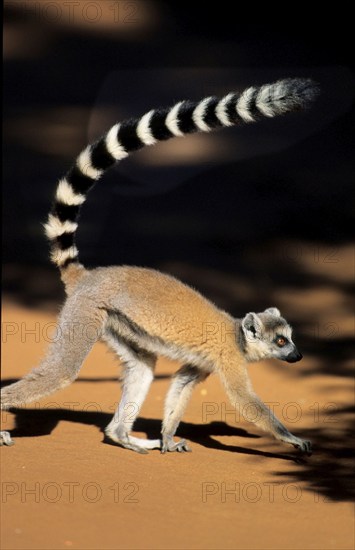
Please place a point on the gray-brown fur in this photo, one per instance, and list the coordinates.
(142, 313)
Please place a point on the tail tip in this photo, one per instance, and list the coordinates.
(304, 90)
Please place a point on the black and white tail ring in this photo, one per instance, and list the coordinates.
(185, 117)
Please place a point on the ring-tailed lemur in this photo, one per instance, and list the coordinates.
(141, 313)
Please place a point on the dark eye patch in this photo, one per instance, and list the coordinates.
(281, 341)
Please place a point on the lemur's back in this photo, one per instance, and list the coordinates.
(160, 304)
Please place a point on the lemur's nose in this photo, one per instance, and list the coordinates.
(294, 356)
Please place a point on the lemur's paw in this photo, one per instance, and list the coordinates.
(5, 439)
(170, 446)
(304, 446)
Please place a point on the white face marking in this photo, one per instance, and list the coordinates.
(264, 345)
(286, 331)
(258, 350)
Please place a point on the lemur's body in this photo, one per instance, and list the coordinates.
(142, 313)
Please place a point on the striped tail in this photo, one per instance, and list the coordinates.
(183, 118)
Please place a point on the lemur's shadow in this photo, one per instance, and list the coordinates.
(37, 422)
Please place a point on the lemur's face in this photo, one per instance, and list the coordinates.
(267, 335)
(285, 349)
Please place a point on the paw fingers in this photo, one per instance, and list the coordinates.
(180, 447)
(305, 447)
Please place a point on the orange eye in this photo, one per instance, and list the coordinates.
(281, 342)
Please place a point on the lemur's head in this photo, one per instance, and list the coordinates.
(266, 335)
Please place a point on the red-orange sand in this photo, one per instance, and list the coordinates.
(62, 487)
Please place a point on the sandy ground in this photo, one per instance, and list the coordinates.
(64, 487)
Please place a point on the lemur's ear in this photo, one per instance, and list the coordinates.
(273, 311)
(252, 326)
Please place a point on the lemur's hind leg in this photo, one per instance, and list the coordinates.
(79, 326)
(138, 375)
(176, 402)
(5, 438)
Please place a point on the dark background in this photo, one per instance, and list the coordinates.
(286, 180)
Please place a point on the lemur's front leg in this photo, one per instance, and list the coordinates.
(242, 395)
(267, 421)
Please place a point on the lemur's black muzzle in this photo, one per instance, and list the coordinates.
(294, 356)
